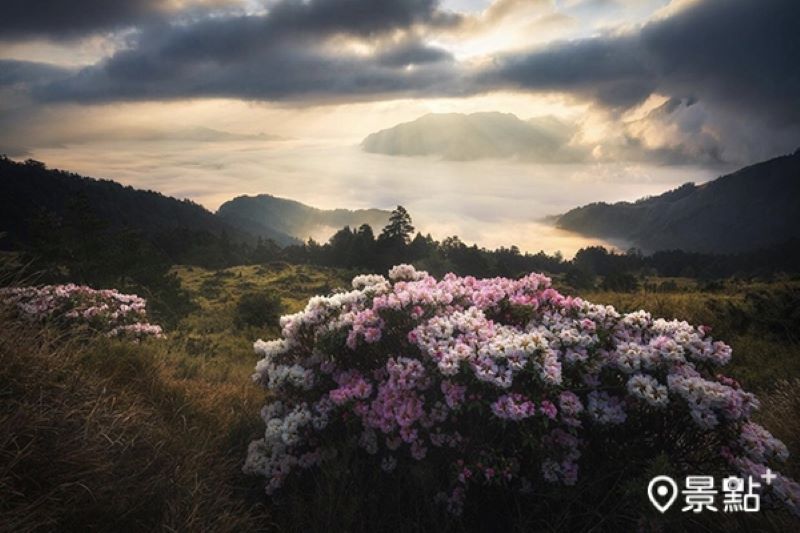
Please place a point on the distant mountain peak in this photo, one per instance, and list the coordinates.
(480, 135)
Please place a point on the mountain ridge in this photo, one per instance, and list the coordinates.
(755, 206)
(30, 187)
(294, 218)
(29, 190)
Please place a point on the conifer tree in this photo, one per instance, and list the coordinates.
(399, 226)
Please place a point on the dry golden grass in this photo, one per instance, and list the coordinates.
(780, 412)
(99, 435)
(759, 360)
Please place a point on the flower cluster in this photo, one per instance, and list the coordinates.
(513, 407)
(495, 381)
(109, 311)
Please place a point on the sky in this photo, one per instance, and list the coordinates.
(209, 99)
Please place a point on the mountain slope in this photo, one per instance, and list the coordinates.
(266, 213)
(30, 191)
(461, 137)
(26, 188)
(754, 207)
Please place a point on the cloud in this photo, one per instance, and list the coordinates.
(59, 19)
(716, 50)
(411, 52)
(731, 52)
(16, 109)
(290, 53)
(610, 71)
(279, 73)
(24, 73)
(363, 17)
(735, 59)
(506, 25)
(444, 197)
(500, 10)
(737, 53)
(674, 132)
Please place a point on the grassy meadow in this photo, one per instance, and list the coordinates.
(106, 435)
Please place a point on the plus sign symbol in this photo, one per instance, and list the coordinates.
(768, 476)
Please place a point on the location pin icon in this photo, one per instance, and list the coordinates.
(662, 491)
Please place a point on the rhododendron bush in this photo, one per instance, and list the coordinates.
(108, 312)
(498, 382)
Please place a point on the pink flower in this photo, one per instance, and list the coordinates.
(548, 409)
(453, 394)
(372, 335)
(513, 407)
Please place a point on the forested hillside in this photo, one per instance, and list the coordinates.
(30, 193)
(290, 222)
(753, 208)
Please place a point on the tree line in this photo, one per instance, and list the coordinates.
(80, 246)
(360, 249)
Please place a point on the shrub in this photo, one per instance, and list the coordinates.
(258, 309)
(713, 285)
(620, 282)
(499, 385)
(668, 286)
(77, 307)
(211, 287)
(772, 313)
(579, 279)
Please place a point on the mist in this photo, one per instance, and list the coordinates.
(489, 202)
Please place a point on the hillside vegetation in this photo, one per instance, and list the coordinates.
(266, 216)
(754, 208)
(35, 200)
(32, 195)
(105, 435)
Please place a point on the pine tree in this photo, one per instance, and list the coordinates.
(399, 226)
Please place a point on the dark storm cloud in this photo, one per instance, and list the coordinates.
(733, 52)
(365, 17)
(16, 73)
(282, 55)
(411, 52)
(282, 73)
(612, 71)
(62, 19)
(59, 19)
(736, 53)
